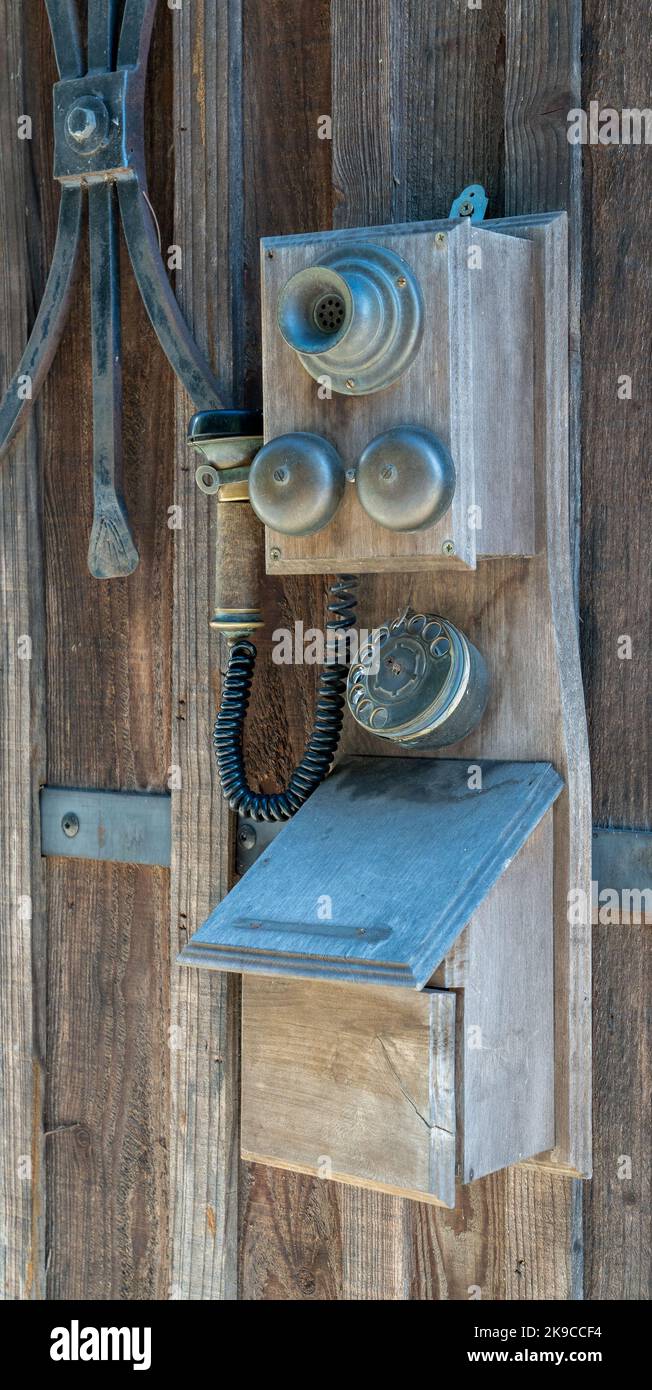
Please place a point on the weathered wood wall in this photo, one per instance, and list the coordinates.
(141, 1193)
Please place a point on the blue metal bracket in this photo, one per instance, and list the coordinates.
(472, 202)
(120, 827)
(99, 148)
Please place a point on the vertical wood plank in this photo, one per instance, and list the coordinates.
(368, 149)
(458, 60)
(289, 1223)
(409, 132)
(204, 1036)
(108, 722)
(543, 172)
(290, 1239)
(618, 1208)
(22, 731)
(106, 1143)
(615, 601)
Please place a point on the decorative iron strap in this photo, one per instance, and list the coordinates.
(99, 146)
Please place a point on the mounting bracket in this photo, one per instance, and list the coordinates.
(99, 147)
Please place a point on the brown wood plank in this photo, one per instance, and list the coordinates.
(22, 723)
(204, 1051)
(289, 1222)
(290, 1238)
(615, 601)
(543, 173)
(513, 1237)
(557, 1280)
(106, 1143)
(616, 497)
(108, 726)
(618, 1204)
(449, 57)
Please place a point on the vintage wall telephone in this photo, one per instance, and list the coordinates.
(415, 423)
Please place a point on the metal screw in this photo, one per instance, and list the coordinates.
(440, 240)
(280, 475)
(388, 471)
(81, 123)
(274, 553)
(350, 473)
(448, 548)
(70, 824)
(247, 836)
(401, 282)
(350, 383)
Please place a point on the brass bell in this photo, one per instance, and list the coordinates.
(406, 479)
(296, 483)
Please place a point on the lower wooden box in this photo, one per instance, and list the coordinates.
(342, 1082)
(408, 1091)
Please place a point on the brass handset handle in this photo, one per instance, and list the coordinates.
(227, 441)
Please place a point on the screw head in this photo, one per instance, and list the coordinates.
(87, 125)
(82, 123)
(274, 553)
(440, 240)
(247, 836)
(350, 383)
(70, 824)
(401, 282)
(448, 548)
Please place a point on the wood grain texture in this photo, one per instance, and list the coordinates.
(617, 500)
(513, 1237)
(204, 1051)
(471, 135)
(22, 729)
(290, 1237)
(290, 1244)
(619, 1201)
(106, 1140)
(503, 963)
(615, 600)
(543, 172)
(372, 1104)
(108, 671)
(405, 148)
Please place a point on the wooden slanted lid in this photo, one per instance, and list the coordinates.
(376, 876)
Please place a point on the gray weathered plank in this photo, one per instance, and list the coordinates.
(408, 133)
(205, 1011)
(431, 138)
(22, 737)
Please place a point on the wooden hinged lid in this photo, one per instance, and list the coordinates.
(376, 876)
